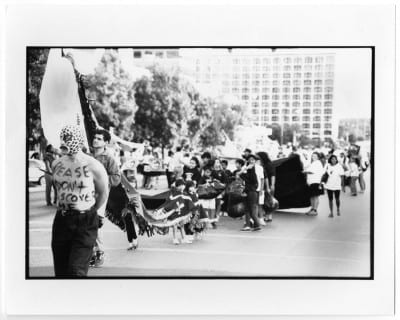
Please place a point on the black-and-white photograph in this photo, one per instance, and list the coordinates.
(199, 162)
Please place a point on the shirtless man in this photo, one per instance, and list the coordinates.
(82, 188)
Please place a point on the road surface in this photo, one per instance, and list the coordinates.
(293, 245)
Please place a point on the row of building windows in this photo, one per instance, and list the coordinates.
(284, 89)
(287, 97)
(278, 60)
(276, 83)
(275, 68)
(295, 104)
(294, 111)
(294, 119)
(276, 75)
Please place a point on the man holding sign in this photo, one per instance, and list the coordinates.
(82, 188)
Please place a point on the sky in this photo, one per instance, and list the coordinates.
(352, 93)
(352, 96)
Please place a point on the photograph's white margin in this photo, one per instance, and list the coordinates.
(236, 26)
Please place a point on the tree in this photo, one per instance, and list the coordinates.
(36, 59)
(352, 138)
(276, 132)
(225, 117)
(113, 92)
(159, 101)
(304, 140)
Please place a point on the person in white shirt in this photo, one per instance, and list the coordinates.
(335, 183)
(177, 160)
(314, 174)
(260, 190)
(354, 173)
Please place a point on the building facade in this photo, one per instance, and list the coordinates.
(291, 88)
(359, 128)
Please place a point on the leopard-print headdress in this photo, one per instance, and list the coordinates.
(71, 137)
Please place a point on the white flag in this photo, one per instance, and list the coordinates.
(59, 99)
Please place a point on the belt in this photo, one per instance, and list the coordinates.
(73, 212)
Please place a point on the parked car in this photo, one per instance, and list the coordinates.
(36, 175)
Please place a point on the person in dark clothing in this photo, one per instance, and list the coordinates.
(48, 159)
(169, 171)
(269, 174)
(205, 161)
(228, 173)
(239, 163)
(246, 154)
(192, 172)
(218, 174)
(76, 222)
(249, 176)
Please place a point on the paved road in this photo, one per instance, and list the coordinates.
(292, 245)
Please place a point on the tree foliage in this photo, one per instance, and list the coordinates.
(160, 111)
(113, 92)
(224, 118)
(36, 59)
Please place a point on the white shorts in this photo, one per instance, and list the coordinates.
(207, 203)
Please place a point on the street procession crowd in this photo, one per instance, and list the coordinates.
(88, 186)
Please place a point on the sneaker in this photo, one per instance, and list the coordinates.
(92, 261)
(330, 215)
(313, 212)
(246, 228)
(133, 245)
(99, 259)
(175, 241)
(256, 229)
(262, 222)
(268, 220)
(338, 213)
(187, 240)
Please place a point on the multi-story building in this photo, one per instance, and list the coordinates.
(360, 128)
(287, 87)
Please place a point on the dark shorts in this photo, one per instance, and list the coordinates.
(333, 192)
(315, 190)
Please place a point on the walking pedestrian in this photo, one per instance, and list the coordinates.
(129, 181)
(104, 156)
(219, 175)
(335, 183)
(169, 168)
(208, 204)
(82, 188)
(269, 181)
(250, 178)
(48, 159)
(314, 174)
(354, 174)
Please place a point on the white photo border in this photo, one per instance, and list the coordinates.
(216, 26)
